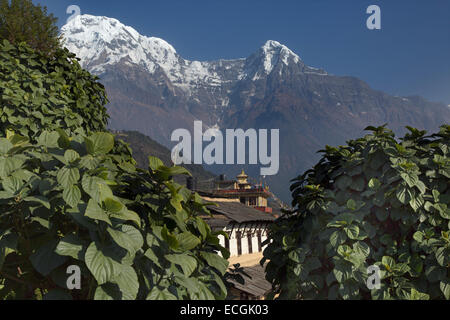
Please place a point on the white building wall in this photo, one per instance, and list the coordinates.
(255, 243)
(233, 244)
(222, 242)
(244, 241)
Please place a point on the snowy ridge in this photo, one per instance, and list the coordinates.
(101, 41)
(273, 52)
(91, 37)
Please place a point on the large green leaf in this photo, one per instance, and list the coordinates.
(361, 248)
(170, 238)
(298, 255)
(128, 283)
(443, 256)
(94, 211)
(100, 143)
(352, 231)
(49, 139)
(186, 262)
(411, 179)
(154, 163)
(12, 185)
(416, 295)
(113, 205)
(10, 164)
(45, 259)
(127, 215)
(403, 195)
(337, 238)
(68, 176)
(128, 238)
(71, 246)
(153, 256)
(71, 156)
(374, 184)
(187, 241)
(5, 145)
(445, 288)
(72, 195)
(216, 261)
(96, 188)
(102, 267)
(202, 227)
(443, 209)
(135, 234)
(342, 271)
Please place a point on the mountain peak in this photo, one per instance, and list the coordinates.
(268, 57)
(101, 41)
(273, 45)
(88, 27)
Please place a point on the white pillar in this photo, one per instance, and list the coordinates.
(255, 243)
(244, 244)
(221, 242)
(233, 244)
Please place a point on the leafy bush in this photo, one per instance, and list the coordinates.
(134, 234)
(23, 21)
(71, 196)
(39, 93)
(377, 201)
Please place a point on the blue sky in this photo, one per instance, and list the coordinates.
(409, 55)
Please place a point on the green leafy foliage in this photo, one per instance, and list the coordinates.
(121, 227)
(377, 201)
(70, 195)
(39, 93)
(143, 147)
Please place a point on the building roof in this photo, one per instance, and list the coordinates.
(238, 212)
(257, 286)
(242, 192)
(242, 175)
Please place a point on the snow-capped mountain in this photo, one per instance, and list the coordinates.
(154, 90)
(101, 42)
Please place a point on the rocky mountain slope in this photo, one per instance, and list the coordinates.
(154, 90)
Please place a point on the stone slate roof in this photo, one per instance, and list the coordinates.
(240, 213)
(257, 286)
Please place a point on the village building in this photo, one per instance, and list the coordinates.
(255, 196)
(242, 212)
(246, 227)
